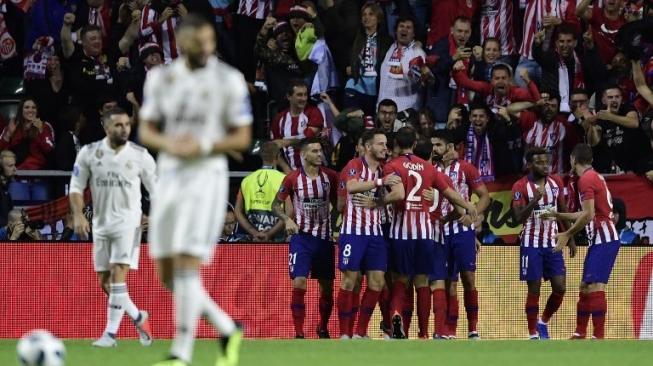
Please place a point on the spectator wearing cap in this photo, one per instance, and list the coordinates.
(278, 56)
(249, 18)
(370, 47)
(87, 68)
(159, 20)
(403, 70)
(500, 91)
(561, 67)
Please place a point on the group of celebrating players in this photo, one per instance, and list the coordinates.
(409, 226)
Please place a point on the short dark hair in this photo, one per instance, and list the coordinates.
(553, 94)
(104, 99)
(582, 153)
(502, 66)
(565, 28)
(388, 103)
(423, 149)
(484, 107)
(444, 135)
(269, 151)
(405, 137)
(612, 86)
(106, 116)
(368, 135)
(491, 39)
(405, 18)
(462, 19)
(533, 151)
(580, 91)
(89, 28)
(307, 141)
(295, 83)
(193, 21)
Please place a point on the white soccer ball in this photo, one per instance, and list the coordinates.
(40, 348)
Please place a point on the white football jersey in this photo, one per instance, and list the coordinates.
(204, 103)
(115, 181)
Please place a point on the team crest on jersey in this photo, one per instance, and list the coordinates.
(205, 94)
(99, 154)
(342, 185)
(453, 175)
(282, 189)
(302, 123)
(76, 171)
(352, 172)
(517, 195)
(554, 190)
(325, 185)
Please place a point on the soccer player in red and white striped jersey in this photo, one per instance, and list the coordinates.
(460, 233)
(412, 247)
(497, 22)
(534, 194)
(596, 217)
(158, 26)
(297, 122)
(312, 189)
(361, 236)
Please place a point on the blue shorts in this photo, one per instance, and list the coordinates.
(538, 263)
(411, 257)
(439, 263)
(461, 253)
(362, 253)
(599, 261)
(309, 254)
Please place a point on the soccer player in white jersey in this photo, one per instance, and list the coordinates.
(195, 110)
(114, 168)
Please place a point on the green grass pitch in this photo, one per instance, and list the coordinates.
(375, 352)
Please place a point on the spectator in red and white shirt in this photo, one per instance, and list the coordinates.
(500, 91)
(497, 22)
(158, 22)
(605, 23)
(546, 127)
(28, 137)
(403, 69)
(295, 123)
(542, 14)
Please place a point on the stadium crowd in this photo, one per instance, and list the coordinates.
(501, 75)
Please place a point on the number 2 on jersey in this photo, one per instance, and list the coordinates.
(412, 195)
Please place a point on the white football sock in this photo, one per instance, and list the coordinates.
(188, 309)
(115, 307)
(126, 301)
(218, 317)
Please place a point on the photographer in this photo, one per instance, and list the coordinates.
(19, 228)
(158, 22)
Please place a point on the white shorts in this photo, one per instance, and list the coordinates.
(187, 214)
(123, 247)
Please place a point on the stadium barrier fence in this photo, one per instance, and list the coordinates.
(53, 286)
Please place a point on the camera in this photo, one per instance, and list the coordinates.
(34, 225)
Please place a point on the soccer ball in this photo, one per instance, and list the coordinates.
(40, 348)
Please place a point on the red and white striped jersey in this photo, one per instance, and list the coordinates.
(311, 198)
(549, 136)
(411, 219)
(436, 211)
(162, 34)
(285, 126)
(465, 178)
(534, 16)
(497, 21)
(592, 186)
(259, 9)
(536, 232)
(358, 220)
